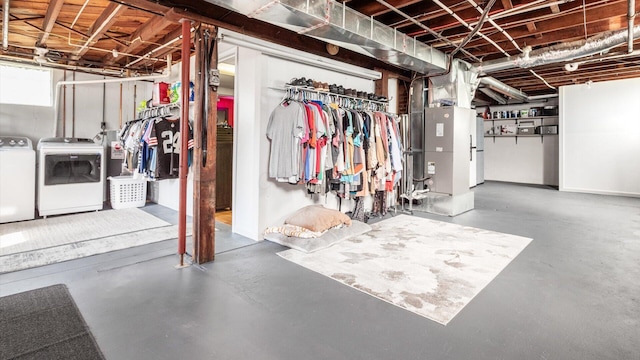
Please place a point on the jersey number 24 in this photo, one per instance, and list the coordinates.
(171, 142)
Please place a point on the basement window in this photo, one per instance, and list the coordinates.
(25, 85)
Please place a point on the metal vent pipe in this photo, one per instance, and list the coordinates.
(502, 88)
(560, 53)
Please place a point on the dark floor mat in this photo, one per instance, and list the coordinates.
(44, 324)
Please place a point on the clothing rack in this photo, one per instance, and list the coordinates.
(346, 101)
(158, 111)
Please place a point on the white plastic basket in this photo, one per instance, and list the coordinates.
(127, 192)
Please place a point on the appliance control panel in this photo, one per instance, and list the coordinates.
(15, 142)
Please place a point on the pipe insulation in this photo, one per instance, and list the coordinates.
(560, 53)
(5, 25)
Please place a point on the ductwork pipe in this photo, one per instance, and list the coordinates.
(631, 16)
(502, 88)
(102, 81)
(492, 94)
(5, 25)
(560, 53)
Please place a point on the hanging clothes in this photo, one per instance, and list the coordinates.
(152, 147)
(332, 146)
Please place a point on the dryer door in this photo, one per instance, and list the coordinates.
(72, 168)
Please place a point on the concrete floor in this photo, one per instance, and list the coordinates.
(573, 293)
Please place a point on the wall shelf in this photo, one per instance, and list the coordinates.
(540, 122)
(524, 118)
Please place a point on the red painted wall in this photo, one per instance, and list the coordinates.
(226, 103)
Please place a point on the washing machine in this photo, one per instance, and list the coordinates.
(17, 179)
(70, 176)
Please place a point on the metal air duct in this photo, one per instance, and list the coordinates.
(560, 53)
(502, 88)
(494, 95)
(334, 22)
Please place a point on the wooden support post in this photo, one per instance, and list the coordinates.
(382, 85)
(184, 138)
(204, 155)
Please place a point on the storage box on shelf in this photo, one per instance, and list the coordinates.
(522, 123)
(127, 192)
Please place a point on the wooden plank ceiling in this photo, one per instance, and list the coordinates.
(136, 35)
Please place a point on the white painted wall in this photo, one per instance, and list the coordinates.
(600, 141)
(247, 136)
(532, 160)
(260, 78)
(36, 122)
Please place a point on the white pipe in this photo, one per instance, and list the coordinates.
(542, 79)
(540, 97)
(528, 8)
(5, 25)
(79, 12)
(631, 17)
(102, 81)
(97, 31)
(148, 55)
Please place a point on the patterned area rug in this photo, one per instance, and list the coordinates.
(66, 229)
(431, 268)
(41, 242)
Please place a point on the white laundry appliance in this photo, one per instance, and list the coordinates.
(17, 179)
(70, 176)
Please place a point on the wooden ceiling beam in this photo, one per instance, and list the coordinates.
(205, 12)
(144, 34)
(49, 20)
(507, 4)
(375, 8)
(106, 19)
(14, 20)
(574, 15)
(151, 49)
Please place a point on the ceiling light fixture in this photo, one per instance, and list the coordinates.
(115, 53)
(571, 66)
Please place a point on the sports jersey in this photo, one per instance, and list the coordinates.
(165, 136)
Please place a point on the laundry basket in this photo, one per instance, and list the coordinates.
(127, 192)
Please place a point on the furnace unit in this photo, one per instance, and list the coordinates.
(447, 157)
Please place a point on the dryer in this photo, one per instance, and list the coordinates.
(17, 179)
(70, 176)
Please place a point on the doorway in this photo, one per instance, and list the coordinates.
(224, 154)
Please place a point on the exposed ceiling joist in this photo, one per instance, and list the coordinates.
(143, 35)
(49, 20)
(107, 18)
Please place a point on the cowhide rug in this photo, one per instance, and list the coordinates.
(429, 267)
